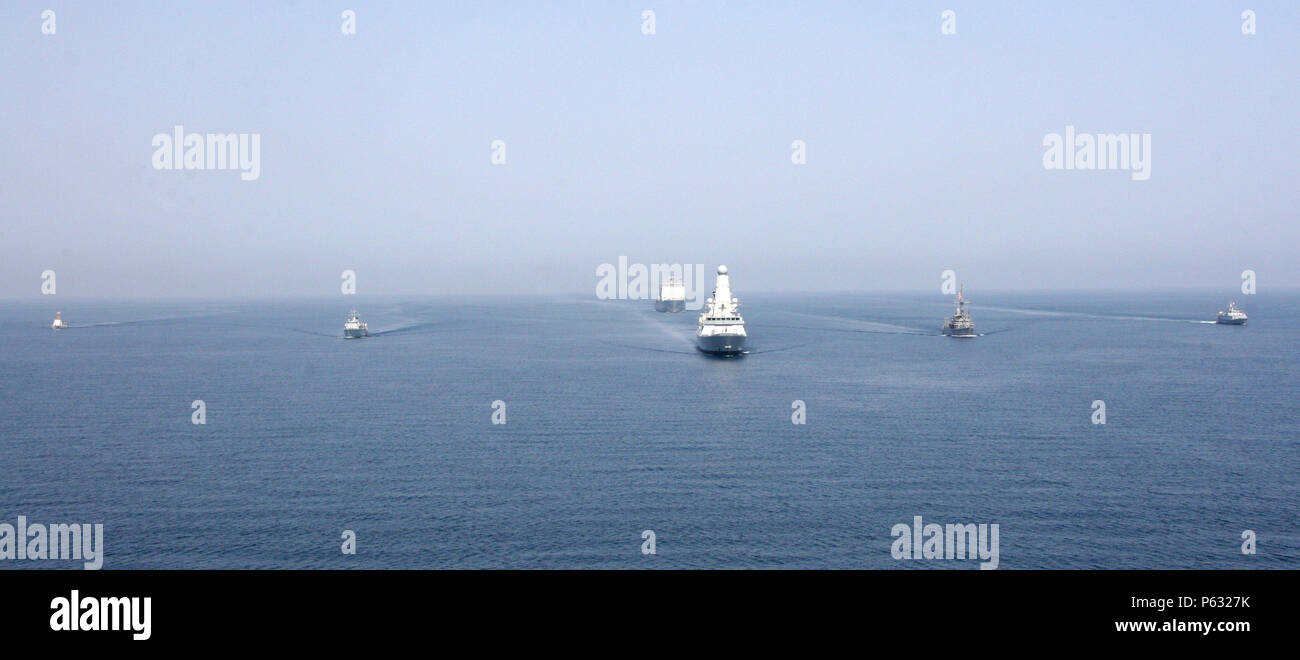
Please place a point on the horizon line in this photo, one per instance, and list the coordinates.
(570, 294)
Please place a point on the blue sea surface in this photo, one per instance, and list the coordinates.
(615, 425)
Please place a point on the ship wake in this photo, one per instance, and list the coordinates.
(313, 333)
(907, 331)
(1088, 315)
(422, 327)
(647, 348)
(774, 350)
(149, 321)
(871, 326)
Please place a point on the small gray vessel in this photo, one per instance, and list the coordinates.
(960, 324)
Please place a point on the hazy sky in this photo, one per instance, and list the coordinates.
(924, 150)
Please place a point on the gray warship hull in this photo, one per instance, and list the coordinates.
(721, 344)
(957, 331)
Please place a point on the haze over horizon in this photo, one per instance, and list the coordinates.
(924, 150)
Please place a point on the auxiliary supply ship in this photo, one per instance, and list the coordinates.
(672, 295)
(722, 330)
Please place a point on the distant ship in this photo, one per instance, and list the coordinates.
(672, 295)
(354, 327)
(58, 322)
(1232, 316)
(960, 324)
(722, 330)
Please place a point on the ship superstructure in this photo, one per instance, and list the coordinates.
(722, 329)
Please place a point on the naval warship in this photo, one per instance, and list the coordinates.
(672, 295)
(722, 330)
(58, 322)
(1232, 316)
(960, 324)
(354, 327)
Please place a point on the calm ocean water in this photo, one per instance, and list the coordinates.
(616, 425)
